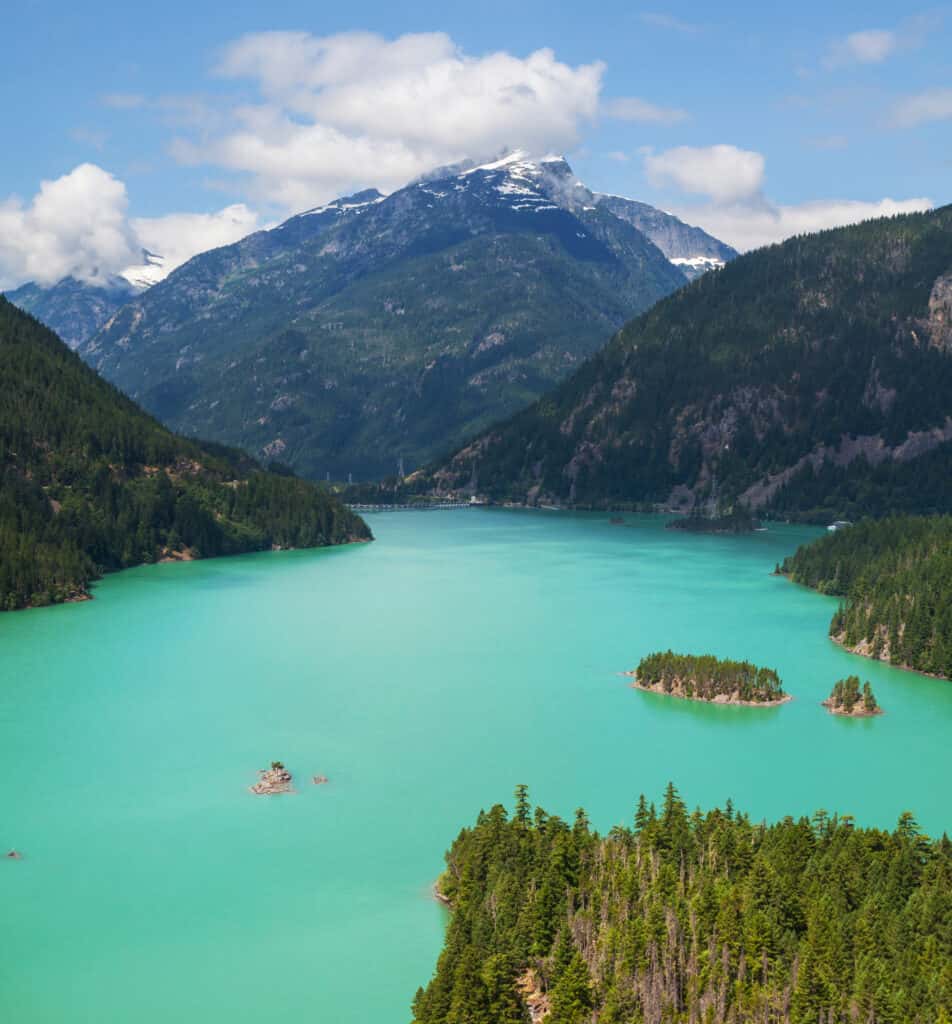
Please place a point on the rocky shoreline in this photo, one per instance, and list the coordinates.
(858, 711)
(678, 691)
(273, 781)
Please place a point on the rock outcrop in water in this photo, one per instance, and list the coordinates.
(272, 781)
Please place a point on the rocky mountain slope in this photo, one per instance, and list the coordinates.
(812, 378)
(376, 329)
(74, 309)
(90, 483)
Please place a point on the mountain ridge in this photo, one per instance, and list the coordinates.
(824, 357)
(377, 328)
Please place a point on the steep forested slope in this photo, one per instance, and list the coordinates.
(827, 358)
(90, 483)
(378, 328)
(703, 917)
(896, 577)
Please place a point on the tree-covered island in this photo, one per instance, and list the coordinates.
(849, 698)
(706, 678)
(895, 576)
(692, 918)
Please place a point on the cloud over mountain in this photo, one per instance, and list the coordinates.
(341, 111)
(78, 225)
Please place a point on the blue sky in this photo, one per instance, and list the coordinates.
(754, 120)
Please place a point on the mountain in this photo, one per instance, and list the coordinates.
(74, 309)
(383, 328)
(811, 379)
(89, 483)
(691, 249)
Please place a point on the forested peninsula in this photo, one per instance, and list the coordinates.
(706, 678)
(895, 576)
(89, 483)
(692, 917)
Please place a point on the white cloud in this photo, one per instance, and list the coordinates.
(737, 210)
(725, 173)
(78, 225)
(749, 226)
(177, 237)
(75, 224)
(350, 110)
(931, 105)
(871, 46)
(631, 108)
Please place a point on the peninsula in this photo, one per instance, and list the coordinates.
(706, 678)
(848, 699)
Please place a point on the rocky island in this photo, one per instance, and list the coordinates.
(272, 781)
(706, 678)
(846, 698)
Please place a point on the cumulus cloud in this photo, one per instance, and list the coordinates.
(75, 224)
(177, 237)
(631, 108)
(738, 211)
(749, 226)
(78, 225)
(725, 173)
(342, 111)
(923, 107)
(874, 45)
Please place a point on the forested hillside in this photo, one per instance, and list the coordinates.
(89, 483)
(811, 379)
(693, 917)
(896, 577)
(379, 328)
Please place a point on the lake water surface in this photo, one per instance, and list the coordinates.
(426, 675)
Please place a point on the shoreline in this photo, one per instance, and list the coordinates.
(858, 710)
(87, 594)
(884, 661)
(636, 685)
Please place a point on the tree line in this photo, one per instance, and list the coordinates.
(693, 917)
(89, 483)
(895, 576)
(704, 677)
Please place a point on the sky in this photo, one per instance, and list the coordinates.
(181, 126)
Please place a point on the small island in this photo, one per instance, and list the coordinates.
(706, 678)
(272, 781)
(846, 698)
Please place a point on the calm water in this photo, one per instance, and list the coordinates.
(426, 674)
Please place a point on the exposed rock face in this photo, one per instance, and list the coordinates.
(940, 313)
(272, 781)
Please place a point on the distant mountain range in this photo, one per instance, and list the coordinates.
(376, 329)
(811, 379)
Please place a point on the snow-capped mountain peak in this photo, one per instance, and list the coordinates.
(150, 271)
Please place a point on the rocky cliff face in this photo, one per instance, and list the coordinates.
(377, 328)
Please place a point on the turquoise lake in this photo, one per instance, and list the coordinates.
(426, 674)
